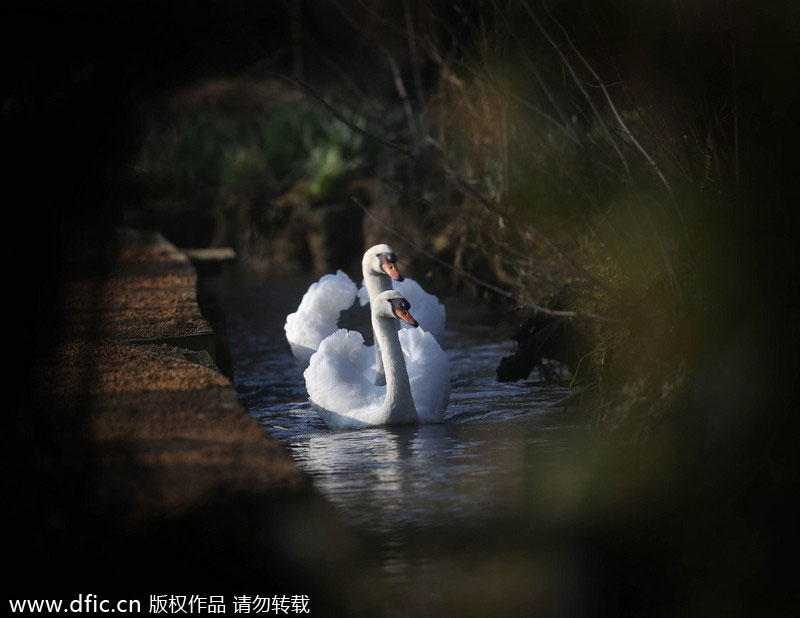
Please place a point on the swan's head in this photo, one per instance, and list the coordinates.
(381, 260)
(392, 304)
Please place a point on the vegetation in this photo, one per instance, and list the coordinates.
(291, 142)
(625, 171)
(618, 177)
(581, 174)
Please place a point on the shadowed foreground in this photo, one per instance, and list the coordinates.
(139, 471)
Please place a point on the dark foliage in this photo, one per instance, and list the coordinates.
(705, 371)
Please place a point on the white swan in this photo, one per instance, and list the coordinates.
(318, 313)
(417, 374)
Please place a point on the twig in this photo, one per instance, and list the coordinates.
(340, 117)
(451, 175)
(451, 57)
(579, 84)
(618, 117)
(403, 94)
(412, 49)
(463, 185)
(585, 356)
(466, 187)
(497, 290)
(532, 66)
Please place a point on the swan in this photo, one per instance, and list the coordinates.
(318, 313)
(417, 386)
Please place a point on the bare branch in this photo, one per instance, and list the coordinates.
(468, 188)
(403, 94)
(411, 36)
(579, 84)
(532, 66)
(340, 117)
(485, 284)
(617, 115)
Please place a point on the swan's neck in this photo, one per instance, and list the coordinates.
(398, 407)
(374, 282)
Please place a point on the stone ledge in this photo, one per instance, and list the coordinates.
(125, 356)
(139, 467)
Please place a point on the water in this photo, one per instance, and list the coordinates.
(445, 510)
(384, 479)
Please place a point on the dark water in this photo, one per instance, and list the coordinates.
(391, 485)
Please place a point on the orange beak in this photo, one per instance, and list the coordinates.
(406, 316)
(390, 269)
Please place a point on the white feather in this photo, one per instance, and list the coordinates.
(316, 317)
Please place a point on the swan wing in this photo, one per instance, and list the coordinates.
(337, 382)
(363, 295)
(318, 313)
(428, 372)
(426, 308)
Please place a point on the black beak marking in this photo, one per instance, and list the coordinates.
(400, 307)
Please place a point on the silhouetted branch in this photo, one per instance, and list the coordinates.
(579, 84)
(340, 117)
(617, 115)
(485, 284)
